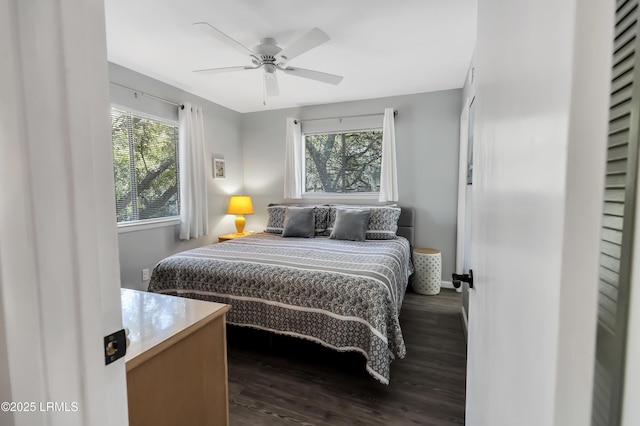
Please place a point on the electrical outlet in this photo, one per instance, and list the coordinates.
(145, 275)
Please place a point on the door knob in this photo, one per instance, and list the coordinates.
(467, 278)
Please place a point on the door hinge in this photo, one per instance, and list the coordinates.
(115, 346)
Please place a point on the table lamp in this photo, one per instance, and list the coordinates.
(240, 205)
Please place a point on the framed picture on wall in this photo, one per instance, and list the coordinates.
(219, 169)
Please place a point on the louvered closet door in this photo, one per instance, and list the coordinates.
(617, 224)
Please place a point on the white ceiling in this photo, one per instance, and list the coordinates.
(381, 47)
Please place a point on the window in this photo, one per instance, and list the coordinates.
(145, 167)
(345, 162)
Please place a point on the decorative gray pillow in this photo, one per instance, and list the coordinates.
(299, 222)
(383, 222)
(350, 224)
(322, 215)
(275, 223)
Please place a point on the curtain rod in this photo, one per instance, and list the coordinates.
(395, 114)
(147, 94)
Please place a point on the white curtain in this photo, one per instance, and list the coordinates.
(194, 220)
(293, 160)
(388, 169)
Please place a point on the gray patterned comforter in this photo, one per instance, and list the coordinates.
(345, 295)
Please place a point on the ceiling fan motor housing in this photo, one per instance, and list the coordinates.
(267, 51)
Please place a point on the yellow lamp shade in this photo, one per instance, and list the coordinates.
(240, 205)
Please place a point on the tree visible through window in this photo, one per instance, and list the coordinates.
(145, 166)
(343, 162)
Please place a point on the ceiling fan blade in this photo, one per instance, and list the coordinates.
(314, 75)
(223, 69)
(219, 35)
(313, 38)
(271, 85)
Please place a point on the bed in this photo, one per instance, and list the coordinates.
(343, 294)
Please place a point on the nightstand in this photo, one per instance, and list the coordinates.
(233, 236)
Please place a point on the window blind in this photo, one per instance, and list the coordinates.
(145, 157)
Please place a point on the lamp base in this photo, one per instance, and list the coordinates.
(240, 221)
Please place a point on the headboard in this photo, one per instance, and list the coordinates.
(406, 223)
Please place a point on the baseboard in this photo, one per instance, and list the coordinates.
(449, 284)
(465, 323)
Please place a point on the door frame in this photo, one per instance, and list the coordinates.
(59, 268)
(462, 206)
(462, 184)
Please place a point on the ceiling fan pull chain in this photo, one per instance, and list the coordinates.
(264, 92)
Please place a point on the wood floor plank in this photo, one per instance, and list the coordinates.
(279, 380)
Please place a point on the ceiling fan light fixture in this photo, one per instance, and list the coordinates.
(269, 68)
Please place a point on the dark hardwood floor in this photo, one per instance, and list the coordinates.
(277, 380)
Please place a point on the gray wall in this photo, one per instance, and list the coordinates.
(427, 132)
(144, 248)
(427, 138)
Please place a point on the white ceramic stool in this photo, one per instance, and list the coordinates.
(428, 271)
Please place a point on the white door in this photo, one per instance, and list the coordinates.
(59, 280)
(542, 94)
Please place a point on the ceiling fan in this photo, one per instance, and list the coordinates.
(271, 57)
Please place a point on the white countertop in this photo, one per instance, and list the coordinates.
(157, 321)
